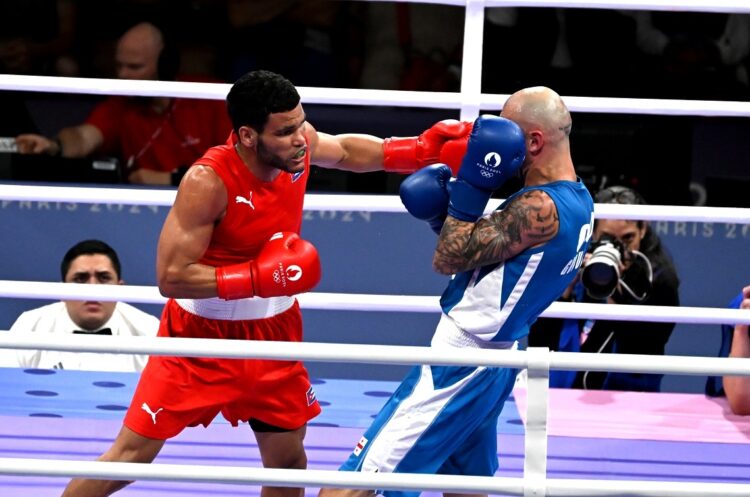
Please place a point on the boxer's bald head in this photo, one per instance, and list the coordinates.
(540, 108)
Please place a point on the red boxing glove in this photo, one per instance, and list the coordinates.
(286, 265)
(406, 155)
(453, 152)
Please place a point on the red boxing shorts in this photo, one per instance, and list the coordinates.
(176, 392)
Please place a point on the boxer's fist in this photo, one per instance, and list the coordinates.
(406, 155)
(495, 152)
(453, 152)
(425, 194)
(286, 265)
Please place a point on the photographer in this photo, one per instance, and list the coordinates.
(626, 264)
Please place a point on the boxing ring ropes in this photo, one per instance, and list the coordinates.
(537, 361)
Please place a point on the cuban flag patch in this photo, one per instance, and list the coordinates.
(297, 175)
(360, 446)
(311, 399)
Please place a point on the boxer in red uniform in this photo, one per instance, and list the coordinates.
(231, 260)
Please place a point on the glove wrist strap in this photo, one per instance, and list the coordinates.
(400, 155)
(234, 282)
(467, 202)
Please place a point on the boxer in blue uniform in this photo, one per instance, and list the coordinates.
(508, 266)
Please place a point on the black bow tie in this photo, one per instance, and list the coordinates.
(103, 331)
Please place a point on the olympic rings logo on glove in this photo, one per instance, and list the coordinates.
(277, 276)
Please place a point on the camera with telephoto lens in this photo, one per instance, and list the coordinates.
(602, 271)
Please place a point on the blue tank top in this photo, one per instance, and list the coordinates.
(499, 302)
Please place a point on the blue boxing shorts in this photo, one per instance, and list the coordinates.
(440, 420)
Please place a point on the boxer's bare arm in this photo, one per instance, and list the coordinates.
(349, 152)
(200, 203)
(528, 221)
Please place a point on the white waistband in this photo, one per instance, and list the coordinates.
(236, 310)
(449, 334)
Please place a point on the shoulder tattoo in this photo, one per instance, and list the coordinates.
(527, 221)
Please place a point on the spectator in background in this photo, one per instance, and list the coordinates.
(412, 47)
(37, 37)
(95, 262)
(538, 31)
(603, 51)
(580, 51)
(156, 138)
(694, 55)
(738, 387)
(305, 53)
(638, 270)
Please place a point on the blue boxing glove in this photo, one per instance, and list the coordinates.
(425, 194)
(494, 153)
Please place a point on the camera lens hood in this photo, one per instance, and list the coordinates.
(602, 271)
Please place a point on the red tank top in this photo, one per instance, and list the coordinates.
(255, 209)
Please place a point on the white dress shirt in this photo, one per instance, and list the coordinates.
(126, 320)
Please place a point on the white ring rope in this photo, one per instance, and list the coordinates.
(346, 479)
(367, 203)
(386, 303)
(374, 354)
(348, 96)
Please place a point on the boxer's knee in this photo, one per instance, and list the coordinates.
(282, 449)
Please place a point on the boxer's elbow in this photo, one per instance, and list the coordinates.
(170, 281)
(446, 266)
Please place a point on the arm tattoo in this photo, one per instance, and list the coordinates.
(529, 220)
